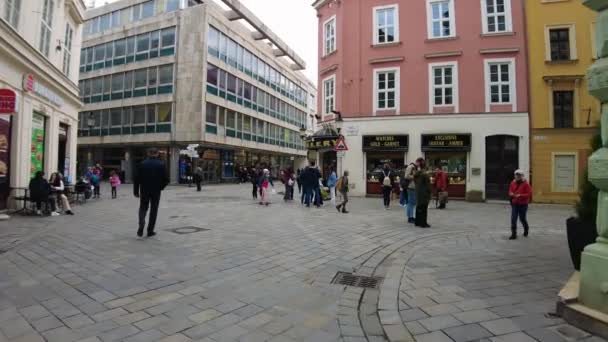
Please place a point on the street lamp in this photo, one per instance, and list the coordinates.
(302, 132)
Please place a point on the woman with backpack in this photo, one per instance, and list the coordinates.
(386, 179)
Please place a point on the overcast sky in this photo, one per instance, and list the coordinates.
(294, 21)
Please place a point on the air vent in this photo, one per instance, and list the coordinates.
(354, 280)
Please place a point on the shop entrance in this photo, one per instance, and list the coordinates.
(375, 164)
(63, 164)
(329, 160)
(502, 159)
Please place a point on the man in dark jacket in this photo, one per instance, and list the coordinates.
(39, 191)
(150, 180)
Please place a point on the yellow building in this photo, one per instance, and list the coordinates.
(563, 114)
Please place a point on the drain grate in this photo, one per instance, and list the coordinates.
(186, 230)
(354, 280)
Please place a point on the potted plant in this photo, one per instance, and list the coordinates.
(582, 229)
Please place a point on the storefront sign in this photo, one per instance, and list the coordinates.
(385, 142)
(8, 101)
(211, 155)
(446, 142)
(37, 154)
(318, 143)
(31, 85)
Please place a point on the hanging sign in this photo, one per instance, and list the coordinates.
(8, 101)
(319, 143)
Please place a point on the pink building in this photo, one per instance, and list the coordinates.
(442, 79)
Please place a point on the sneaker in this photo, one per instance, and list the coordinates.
(513, 237)
(140, 232)
(344, 212)
(69, 212)
(426, 226)
(411, 220)
(54, 213)
(526, 233)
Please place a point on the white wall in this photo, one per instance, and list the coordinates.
(478, 125)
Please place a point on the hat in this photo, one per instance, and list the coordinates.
(519, 172)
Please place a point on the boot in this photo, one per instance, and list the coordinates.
(339, 207)
(513, 234)
(526, 232)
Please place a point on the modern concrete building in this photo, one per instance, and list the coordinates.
(39, 104)
(173, 74)
(439, 79)
(563, 113)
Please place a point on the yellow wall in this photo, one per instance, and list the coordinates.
(545, 139)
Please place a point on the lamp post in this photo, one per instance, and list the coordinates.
(594, 262)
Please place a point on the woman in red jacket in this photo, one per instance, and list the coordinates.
(520, 192)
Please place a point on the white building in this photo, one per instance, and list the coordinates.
(39, 44)
(172, 74)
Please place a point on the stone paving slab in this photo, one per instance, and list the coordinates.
(264, 273)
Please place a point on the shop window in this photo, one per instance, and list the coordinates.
(563, 109)
(564, 172)
(167, 42)
(213, 41)
(453, 163)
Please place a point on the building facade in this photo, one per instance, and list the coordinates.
(564, 115)
(179, 74)
(39, 104)
(439, 79)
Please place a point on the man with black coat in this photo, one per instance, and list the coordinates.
(151, 178)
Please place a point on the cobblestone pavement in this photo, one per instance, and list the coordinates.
(264, 273)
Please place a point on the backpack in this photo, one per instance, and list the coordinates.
(387, 180)
(340, 184)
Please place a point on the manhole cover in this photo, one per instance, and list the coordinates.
(350, 279)
(186, 230)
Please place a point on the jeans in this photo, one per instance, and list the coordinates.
(411, 203)
(148, 200)
(308, 194)
(386, 192)
(521, 211)
(318, 199)
(403, 197)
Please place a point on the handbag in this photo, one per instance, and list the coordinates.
(443, 196)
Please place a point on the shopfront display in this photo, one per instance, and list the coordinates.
(5, 138)
(38, 143)
(381, 150)
(449, 153)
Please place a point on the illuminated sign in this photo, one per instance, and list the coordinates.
(446, 142)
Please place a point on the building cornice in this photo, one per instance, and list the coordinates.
(319, 3)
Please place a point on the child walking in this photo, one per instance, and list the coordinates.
(265, 181)
(114, 182)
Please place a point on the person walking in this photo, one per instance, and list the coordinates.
(57, 191)
(150, 180)
(198, 178)
(114, 183)
(307, 188)
(410, 208)
(253, 178)
(265, 183)
(316, 184)
(96, 181)
(520, 192)
(332, 180)
(423, 194)
(342, 187)
(299, 173)
(386, 179)
(441, 187)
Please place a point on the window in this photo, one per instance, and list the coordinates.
(165, 78)
(232, 52)
(212, 74)
(119, 48)
(154, 43)
(126, 116)
(443, 79)
(386, 24)
(151, 114)
(172, 5)
(565, 172)
(117, 82)
(12, 8)
(129, 81)
(116, 19)
(168, 37)
(500, 82)
(496, 16)
(97, 86)
(329, 34)
(231, 84)
(563, 109)
(164, 112)
(440, 19)
(141, 79)
(45, 28)
(143, 43)
(386, 85)
(211, 113)
(559, 44)
(115, 117)
(104, 22)
(152, 77)
(213, 41)
(329, 94)
(139, 115)
(67, 49)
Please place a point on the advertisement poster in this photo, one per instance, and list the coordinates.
(5, 128)
(37, 143)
